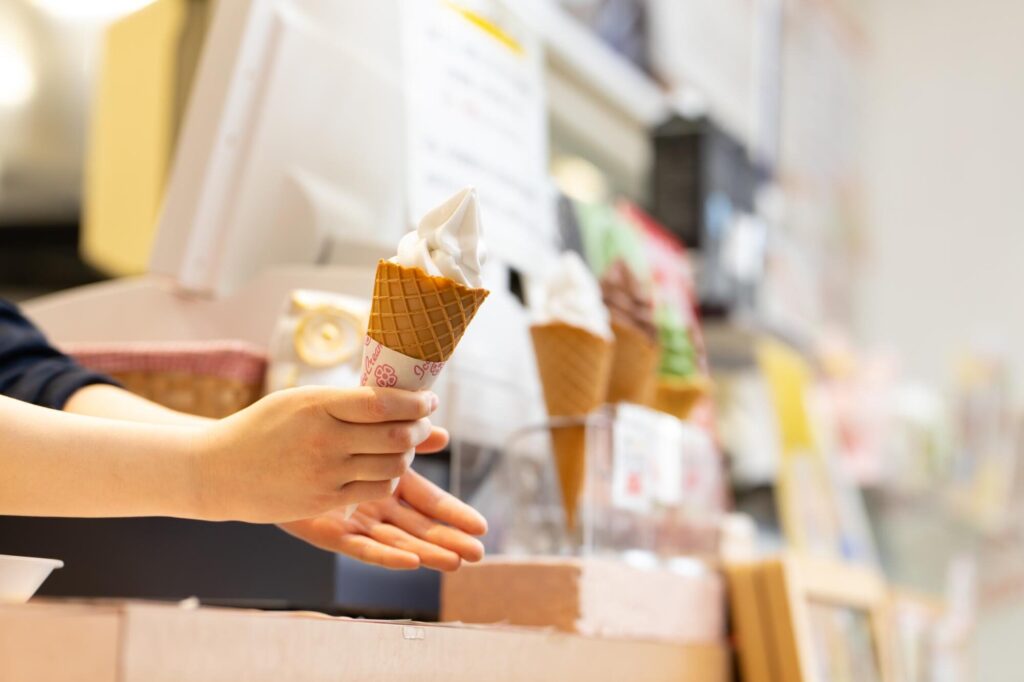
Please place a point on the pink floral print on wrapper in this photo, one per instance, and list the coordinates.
(385, 375)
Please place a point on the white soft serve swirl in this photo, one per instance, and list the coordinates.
(447, 242)
(573, 296)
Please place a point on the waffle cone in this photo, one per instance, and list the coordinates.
(634, 366)
(420, 315)
(574, 366)
(677, 396)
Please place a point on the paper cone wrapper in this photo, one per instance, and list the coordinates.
(677, 396)
(574, 366)
(416, 320)
(388, 368)
(634, 366)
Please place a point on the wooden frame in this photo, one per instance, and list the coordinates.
(916, 662)
(779, 627)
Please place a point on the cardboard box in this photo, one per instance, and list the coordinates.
(589, 596)
(140, 642)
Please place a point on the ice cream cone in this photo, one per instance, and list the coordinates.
(418, 318)
(677, 396)
(574, 365)
(420, 315)
(634, 365)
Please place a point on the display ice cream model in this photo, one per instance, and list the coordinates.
(635, 361)
(573, 343)
(681, 384)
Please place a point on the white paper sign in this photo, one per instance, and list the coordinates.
(475, 115)
(632, 475)
(658, 461)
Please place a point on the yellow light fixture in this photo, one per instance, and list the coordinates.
(579, 179)
(17, 77)
(89, 9)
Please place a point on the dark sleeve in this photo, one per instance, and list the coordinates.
(34, 371)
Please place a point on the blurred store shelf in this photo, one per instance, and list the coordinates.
(576, 52)
(731, 339)
(600, 103)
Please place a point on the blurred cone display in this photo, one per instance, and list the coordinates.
(678, 396)
(637, 355)
(634, 366)
(574, 367)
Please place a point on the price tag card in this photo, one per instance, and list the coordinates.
(646, 459)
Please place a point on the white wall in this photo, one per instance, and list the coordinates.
(945, 180)
(945, 185)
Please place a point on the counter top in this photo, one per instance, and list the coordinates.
(154, 642)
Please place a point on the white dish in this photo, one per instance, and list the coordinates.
(21, 576)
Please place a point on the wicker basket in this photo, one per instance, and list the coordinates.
(209, 379)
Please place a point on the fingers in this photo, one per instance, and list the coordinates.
(435, 442)
(366, 405)
(357, 492)
(378, 467)
(415, 523)
(333, 534)
(430, 555)
(391, 438)
(435, 503)
(371, 551)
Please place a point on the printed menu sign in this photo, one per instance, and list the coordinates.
(475, 115)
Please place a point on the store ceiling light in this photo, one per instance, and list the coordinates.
(17, 77)
(89, 9)
(579, 179)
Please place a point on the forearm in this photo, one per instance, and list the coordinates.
(102, 400)
(57, 464)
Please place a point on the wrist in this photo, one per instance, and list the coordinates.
(200, 492)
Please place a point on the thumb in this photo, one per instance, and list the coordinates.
(435, 442)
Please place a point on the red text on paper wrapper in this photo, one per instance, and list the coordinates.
(431, 368)
(388, 368)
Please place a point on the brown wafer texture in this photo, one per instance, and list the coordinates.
(634, 365)
(420, 315)
(678, 396)
(574, 366)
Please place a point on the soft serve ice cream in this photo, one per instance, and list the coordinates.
(627, 300)
(635, 362)
(572, 341)
(425, 297)
(447, 242)
(572, 296)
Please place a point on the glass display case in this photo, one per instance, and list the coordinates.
(652, 488)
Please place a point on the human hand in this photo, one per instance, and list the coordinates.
(419, 525)
(303, 452)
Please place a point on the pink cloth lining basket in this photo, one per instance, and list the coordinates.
(206, 378)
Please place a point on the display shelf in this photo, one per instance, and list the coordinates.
(573, 49)
(601, 107)
(732, 339)
(604, 103)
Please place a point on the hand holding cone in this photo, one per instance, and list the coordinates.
(425, 298)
